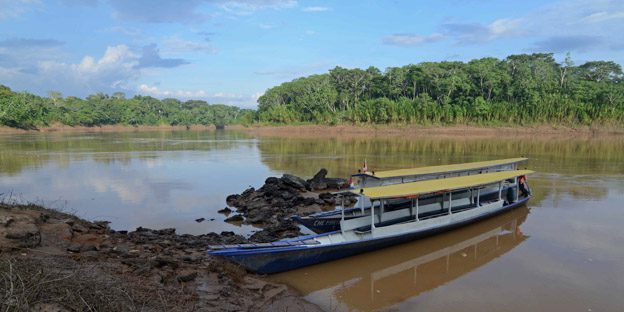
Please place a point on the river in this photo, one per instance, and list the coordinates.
(562, 252)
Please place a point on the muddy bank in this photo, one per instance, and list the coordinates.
(50, 260)
(105, 128)
(347, 130)
(454, 131)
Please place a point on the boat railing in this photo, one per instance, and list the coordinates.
(283, 243)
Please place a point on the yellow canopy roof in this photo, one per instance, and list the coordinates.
(443, 168)
(432, 186)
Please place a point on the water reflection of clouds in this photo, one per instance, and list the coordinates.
(160, 189)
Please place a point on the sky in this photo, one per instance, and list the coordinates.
(232, 51)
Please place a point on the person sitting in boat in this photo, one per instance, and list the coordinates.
(523, 186)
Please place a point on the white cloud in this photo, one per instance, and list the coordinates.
(473, 33)
(505, 27)
(411, 39)
(240, 100)
(246, 7)
(174, 45)
(111, 72)
(267, 26)
(578, 25)
(315, 9)
(603, 16)
(182, 94)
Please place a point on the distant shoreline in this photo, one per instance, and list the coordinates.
(105, 128)
(437, 131)
(353, 130)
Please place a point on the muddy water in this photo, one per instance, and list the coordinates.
(564, 251)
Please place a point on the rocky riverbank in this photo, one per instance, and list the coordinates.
(50, 260)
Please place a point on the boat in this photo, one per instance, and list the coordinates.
(328, 221)
(384, 228)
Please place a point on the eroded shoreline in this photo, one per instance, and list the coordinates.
(355, 130)
(56, 261)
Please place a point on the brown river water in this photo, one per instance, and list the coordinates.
(564, 251)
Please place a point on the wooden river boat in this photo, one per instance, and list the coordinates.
(384, 228)
(329, 221)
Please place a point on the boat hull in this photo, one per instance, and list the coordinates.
(278, 259)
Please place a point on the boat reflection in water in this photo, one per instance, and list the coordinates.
(386, 277)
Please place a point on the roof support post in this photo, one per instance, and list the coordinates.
(382, 209)
(478, 197)
(416, 208)
(500, 190)
(450, 202)
(362, 204)
(343, 214)
(373, 216)
(517, 188)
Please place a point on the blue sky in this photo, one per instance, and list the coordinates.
(231, 51)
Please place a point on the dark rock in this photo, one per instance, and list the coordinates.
(232, 199)
(321, 182)
(271, 180)
(235, 218)
(295, 182)
(25, 235)
(168, 231)
(74, 247)
(336, 183)
(99, 224)
(287, 228)
(287, 195)
(318, 186)
(88, 247)
(187, 277)
(160, 262)
(225, 210)
(92, 254)
(200, 220)
(248, 192)
(77, 227)
(6, 221)
(320, 175)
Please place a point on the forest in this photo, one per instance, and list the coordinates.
(520, 89)
(27, 111)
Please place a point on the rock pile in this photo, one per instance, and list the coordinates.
(279, 199)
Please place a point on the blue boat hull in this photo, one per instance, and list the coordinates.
(270, 260)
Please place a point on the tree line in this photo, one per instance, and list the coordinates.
(29, 111)
(520, 89)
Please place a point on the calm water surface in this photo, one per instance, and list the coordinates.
(564, 251)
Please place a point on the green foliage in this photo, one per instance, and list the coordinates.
(524, 88)
(23, 110)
